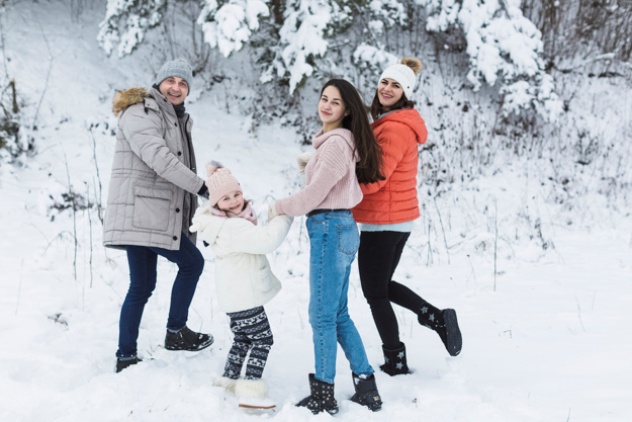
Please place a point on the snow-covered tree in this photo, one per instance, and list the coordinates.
(126, 22)
(304, 36)
(504, 49)
(229, 25)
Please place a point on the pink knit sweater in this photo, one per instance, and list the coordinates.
(331, 181)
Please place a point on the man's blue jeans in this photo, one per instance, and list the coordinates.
(334, 241)
(142, 268)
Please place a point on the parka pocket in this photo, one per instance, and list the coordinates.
(151, 208)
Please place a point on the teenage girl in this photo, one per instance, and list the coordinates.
(345, 153)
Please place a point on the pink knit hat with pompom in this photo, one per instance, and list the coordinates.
(221, 183)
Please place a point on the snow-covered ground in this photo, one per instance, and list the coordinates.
(546, 333)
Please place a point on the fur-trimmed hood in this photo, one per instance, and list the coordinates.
(128, 97)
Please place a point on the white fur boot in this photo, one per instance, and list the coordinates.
(253, 394)
(227, 383)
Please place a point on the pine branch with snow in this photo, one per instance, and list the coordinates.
(229, 26)
(126, 23)
(504, 49)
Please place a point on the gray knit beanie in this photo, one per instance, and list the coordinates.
(178, 67)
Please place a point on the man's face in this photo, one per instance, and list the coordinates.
(174, 89)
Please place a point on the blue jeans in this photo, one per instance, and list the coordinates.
(334, 241)
(142, 268)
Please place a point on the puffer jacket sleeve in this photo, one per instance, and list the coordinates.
(143, 129)
(392, 138)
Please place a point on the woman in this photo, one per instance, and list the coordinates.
(387, 212)
(345, 153)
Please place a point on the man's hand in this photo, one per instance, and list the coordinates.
(203, 192)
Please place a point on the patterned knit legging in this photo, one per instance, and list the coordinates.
(252, 333)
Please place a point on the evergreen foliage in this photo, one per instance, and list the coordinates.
(296, 39)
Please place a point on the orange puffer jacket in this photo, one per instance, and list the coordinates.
(394, 200)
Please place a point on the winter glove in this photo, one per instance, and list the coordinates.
(203, 192)
(303, 159)
(200, 219)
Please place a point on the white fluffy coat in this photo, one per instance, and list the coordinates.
(243, 276)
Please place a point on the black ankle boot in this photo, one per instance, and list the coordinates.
(395, 361)
(122, 363)
(445, 324)
(366, 393)
(321, 398)
(186, 339)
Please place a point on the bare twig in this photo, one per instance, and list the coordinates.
(48, 72)
(445, 240)
(472, 267)
(495, 242)
(579, 314)
(429, 259)
(90, 231)
(74, 218)
(99, 191)
(17, 305)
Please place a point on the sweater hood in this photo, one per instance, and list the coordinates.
(408, 117)
(345, 134)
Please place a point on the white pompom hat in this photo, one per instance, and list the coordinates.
(403, 75)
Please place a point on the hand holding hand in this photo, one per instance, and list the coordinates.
(303, 159)
(203, 192)
(272, 212)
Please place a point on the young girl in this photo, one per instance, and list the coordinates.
(244, 280)
(345, 152)
(387, 212)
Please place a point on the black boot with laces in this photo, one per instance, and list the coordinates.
(185, 339)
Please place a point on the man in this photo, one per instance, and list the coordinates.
(151, 201)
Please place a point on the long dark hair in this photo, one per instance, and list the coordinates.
(377, 109)
(368, 169)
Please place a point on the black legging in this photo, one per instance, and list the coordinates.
(378, 257)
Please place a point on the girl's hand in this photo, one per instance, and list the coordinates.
(272, 212)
